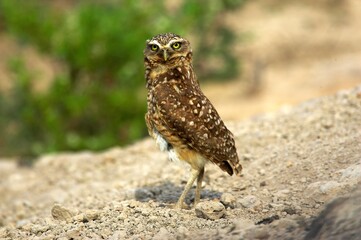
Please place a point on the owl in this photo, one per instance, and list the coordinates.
(180, 117)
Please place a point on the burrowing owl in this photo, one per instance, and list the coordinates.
(180, 117)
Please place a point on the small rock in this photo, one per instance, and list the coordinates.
(27, 227)
(73, 234)
(210, 210)
(265, 192)
(39, 229)
(249, 201)
(133, 204)
(89, 215)
(145, 211)
(79, 217)
(290, 210)
(228, 200)
(61, 213)
(262, 172)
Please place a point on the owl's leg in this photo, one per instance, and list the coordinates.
(197, 197)
(192, 178)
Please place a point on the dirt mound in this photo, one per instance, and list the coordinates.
(294, 162)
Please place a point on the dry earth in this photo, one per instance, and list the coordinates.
(295, 161)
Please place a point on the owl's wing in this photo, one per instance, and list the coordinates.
(193, 119)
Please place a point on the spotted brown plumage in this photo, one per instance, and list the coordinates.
(180, 117)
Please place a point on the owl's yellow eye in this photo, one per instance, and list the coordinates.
(176, 45)
(154, 47)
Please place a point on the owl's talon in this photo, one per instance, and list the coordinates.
(179, 206)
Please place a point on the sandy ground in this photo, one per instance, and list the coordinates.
(294, 162)
(298, 155)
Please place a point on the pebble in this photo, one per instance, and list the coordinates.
(249, 201)
(61, 213)
(228, 200)
(91, 215)
(73, 234)
(210, 210)
(290, 210)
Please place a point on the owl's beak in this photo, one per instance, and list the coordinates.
(165, 55)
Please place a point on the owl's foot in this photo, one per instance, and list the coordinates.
(181, 205)
(195, 203)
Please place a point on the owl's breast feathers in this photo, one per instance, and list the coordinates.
(183, 115)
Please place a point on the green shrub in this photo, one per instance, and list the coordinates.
(99, 101)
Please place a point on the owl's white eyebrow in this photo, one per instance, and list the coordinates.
(173, 41)
(154, 42)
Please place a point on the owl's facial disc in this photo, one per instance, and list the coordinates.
(174, 48)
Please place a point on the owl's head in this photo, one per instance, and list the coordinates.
(166, 47)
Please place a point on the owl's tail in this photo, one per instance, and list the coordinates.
(231, 167)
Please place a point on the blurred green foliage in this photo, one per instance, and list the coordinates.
(99, 100)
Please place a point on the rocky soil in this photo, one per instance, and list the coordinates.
(295, 162)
